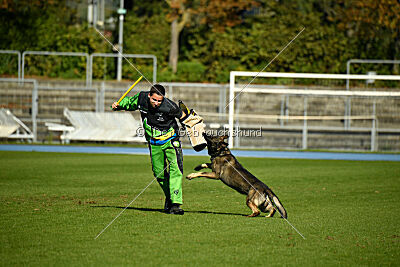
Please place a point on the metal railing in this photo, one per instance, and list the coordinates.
(153, 57)
(305, 93)
(360, 61)
(48, 53)
(89, 61)
(303, 129)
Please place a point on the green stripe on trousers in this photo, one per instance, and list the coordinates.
(170, 180)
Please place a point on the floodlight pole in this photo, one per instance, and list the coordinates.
(121, 12)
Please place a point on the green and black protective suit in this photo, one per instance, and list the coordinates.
(162, 134)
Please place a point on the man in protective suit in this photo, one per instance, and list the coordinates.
(161, 130)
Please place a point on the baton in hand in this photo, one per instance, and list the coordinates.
(130, 88)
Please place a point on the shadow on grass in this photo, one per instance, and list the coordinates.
(162, 211)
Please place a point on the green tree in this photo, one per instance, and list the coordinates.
(375, 25)
(179, 15)
(253, 43)
(37, 25)
(216, 14)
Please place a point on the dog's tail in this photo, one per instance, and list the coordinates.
(278, 205)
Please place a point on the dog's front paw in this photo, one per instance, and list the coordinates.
(191, 176)
(198, 167)
(202, 166)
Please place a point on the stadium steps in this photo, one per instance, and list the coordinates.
(52, 103)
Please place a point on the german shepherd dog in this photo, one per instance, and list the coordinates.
(226, 168)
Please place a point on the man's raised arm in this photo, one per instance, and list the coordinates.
(128, 103)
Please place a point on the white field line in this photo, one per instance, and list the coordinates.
(132, 201)
(266, 200)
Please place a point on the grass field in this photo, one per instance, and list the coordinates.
(53, 205)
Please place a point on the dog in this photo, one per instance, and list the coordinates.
(226, 168)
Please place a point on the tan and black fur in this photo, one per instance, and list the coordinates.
(226, 168)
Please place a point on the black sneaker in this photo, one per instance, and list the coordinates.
(167, 205)
(176, 209)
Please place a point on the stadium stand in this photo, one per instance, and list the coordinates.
(56, 127)
(96, 126)
(12, 127)
(210, 101)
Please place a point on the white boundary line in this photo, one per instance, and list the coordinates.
(119, 52)
(130, 63)
(267, 200)
(132, 201)
(125, 208)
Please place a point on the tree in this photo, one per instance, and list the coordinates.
(263, 31)
(37, 25)
(179, 16)
(12, 5)
(221, 14)
(375, 24)
(215, 13)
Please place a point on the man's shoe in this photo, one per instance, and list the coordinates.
(167, 205)
(176, 209)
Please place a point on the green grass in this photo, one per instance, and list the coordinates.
(53, 205)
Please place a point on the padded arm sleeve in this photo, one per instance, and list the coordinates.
(130, 102)
(195, 128)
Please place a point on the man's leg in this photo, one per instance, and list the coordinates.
(173, 152)
(160, 170)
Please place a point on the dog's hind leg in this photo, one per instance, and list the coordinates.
(271, 210)
(251, 205)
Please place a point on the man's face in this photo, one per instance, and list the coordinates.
(155, 100)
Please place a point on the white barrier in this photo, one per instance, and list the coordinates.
(108, 126)
(12, 127)
(235, 90)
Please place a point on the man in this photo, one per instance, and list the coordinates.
(159, 116)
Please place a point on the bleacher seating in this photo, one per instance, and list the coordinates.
(12, 127)
(107, 126)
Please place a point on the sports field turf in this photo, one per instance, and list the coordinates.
(53, 206)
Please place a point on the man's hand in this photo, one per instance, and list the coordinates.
(115, 106)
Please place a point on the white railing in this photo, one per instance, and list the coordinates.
(234, 88)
